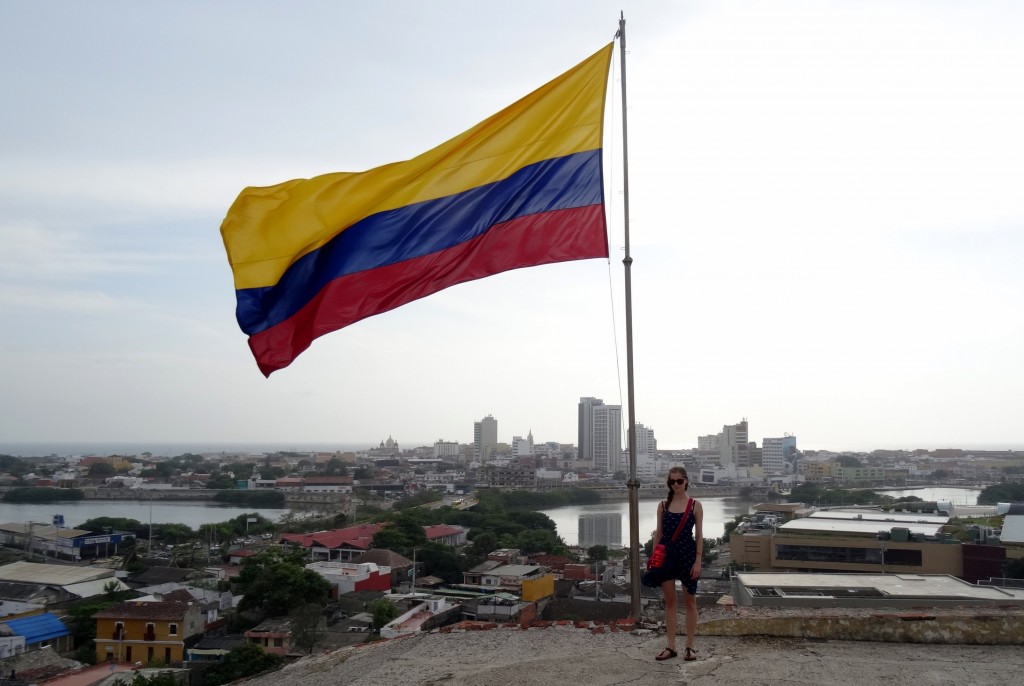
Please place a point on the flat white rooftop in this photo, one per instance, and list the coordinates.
(56, 575)
(855, 526)
(891, 518)
(925, 586)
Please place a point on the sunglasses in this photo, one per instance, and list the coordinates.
(673, 482)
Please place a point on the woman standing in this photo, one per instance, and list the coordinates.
(684, 557)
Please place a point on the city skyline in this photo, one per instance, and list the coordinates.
(825, 221)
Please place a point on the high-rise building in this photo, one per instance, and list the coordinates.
(485, 438)
(646, 443)
(585, 441)
(607, 437)
(708, 443)
(775, 452)
(733, 446)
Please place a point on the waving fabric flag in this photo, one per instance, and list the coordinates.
(520, 189)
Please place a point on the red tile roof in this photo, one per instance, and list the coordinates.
(167, 609)
(441, 530)
(360, 537)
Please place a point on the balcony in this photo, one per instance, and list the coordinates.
(149, 636)
(118, 635)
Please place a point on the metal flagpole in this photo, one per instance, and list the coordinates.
(633, 485)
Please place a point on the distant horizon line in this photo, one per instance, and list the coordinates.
(175, 448)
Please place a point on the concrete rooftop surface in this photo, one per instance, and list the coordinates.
(506, 656)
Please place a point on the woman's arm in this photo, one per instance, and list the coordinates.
(698, 535)
(657, 531)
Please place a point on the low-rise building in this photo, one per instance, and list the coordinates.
(771, 589)
(272, 635)
(346, 577)
(448, 534)
(151, 632)
(852, 541)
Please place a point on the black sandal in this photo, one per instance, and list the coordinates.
(666, 654)
(691, 654)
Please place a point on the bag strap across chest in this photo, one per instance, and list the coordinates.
(686, 515)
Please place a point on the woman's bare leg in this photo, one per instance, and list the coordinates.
(691, 618)
(668, 590)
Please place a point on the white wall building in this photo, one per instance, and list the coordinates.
(734, 445)
(522, 447)
(775, 452)
(446, 449)
(646, 443)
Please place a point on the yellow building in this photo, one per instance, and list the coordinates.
(535, 589)
(152, 632)
(821, 471)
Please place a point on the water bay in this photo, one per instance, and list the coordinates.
(191, 514)
(609, 521)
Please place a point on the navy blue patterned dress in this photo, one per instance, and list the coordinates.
(683, 553)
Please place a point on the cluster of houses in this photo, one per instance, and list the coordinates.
(177, 620)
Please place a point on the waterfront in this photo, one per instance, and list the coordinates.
(610, 520)
(615, 516)
(191, 514)
(608, 516)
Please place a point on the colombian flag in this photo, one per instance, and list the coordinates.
(522, 188)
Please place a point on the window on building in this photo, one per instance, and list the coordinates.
(847, 555)
(278, 642)
(172, 629)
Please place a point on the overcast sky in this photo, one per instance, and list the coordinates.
(827, 205)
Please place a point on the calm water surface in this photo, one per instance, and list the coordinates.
(717, 512)
(190, 514)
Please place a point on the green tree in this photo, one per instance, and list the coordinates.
(158, 679)
(111, 590)
(999, 493)
(335, 467)
(101, 470)
(441, 561)
(532, 520)
(173, 533)
(220, 481)
(483, 543)
(383, 611)
(1014, 569)
(597, 553)
(79, 620)
(417, 499)
(113, 523)
(247, 660)
(42, 494)
(731, 526)
(308, 627)
(273, 582)
(390, 538)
